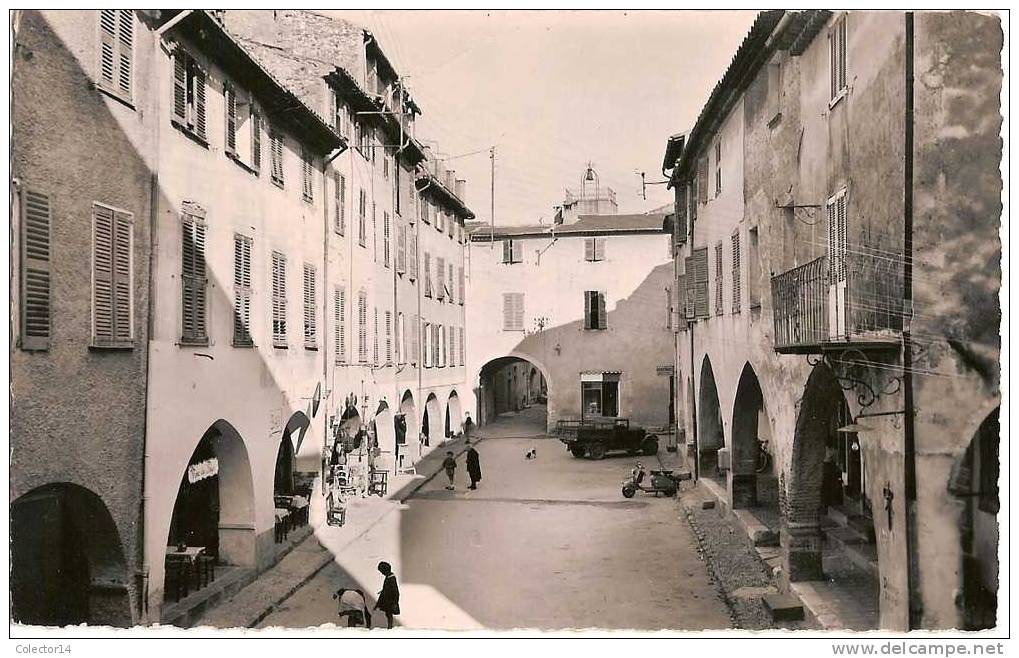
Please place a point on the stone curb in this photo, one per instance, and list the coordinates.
(328, 557)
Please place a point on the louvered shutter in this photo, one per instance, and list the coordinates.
(339, 196)
(116, 40)
(700, 263)
(412, 256)
(193, 279)
(375, 338)
(507, 251)
(385, 238)
(451, 355)
(126, 53)
(180, 85)
(123, 239)
(310, 320)
(691, 288)
(108, 46)
(36, 272)
(702, 180)
(718, 278)
(518, 251)
(279, 299)
(401, 248)
(463, 344)
(680, 302)
(242, 290)
(339, 328)
(588, 248)
(307, 176)
(842, 53)
(507, 311)
(599, 248)
(463, 293)
(435, 345)
(588, 296)
(602, 318)
(102, 275)
(230, 99)
(843, 238)
(736, 279)
(199, 82)
(440, 270)
(256, 141)
(389, 337)
(428, 275)
(415, 343)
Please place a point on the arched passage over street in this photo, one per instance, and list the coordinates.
(215, 505)
(67, 562)
(752, 479)
(412, 427)
(432, 420)
(510, 384)
(975, 483)
(454, 415)
(385, 433)
(710, 435)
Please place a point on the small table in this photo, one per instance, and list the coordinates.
(282, 523)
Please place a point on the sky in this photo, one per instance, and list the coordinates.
(554, 90)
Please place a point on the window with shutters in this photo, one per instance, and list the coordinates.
(362, 327)
(276, 157)
(116, 52)
(512, 251)
(194, 279)
(837, 237)
(256, 141)
(440, 278)
(452, 347)
(594, 249)
(385, 238)
(189, 95)
(279, 300)
(451, 287)
(36, 270)
(440, 219)
(401, 340)
(513, 311)
(425, 209)
(691, 293)
(242, 291)
(412, 255)
(436, 343)
(389, 337)
(837, 59)
(718, 279)
(307, 176)
(415, 339)
(340, 202)
(702, 180)
(753, 268)
(310, 306)
(427, 359)
(668, 308)
(230, 110)
(362, 218)
(340, 324)
(463, 294)
(375, 338)
(737, 290)
(595, 315)
(463, 344)
(428, 274)
(700, 283)
(375, 235)
(401, 247)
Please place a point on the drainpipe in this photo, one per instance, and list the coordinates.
(693, 411)
(909, 437)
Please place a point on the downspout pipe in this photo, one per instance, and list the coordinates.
(909, 427)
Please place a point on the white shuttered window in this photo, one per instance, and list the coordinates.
(194, 299)
(242, 290)
(279, 299)
(513, 311)
(36, 318)
(116, 51)
(339, 324)
(310, 304)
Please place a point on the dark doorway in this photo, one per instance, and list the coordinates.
(283, 480)
(195, 520)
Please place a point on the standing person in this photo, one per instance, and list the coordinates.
(468, 423)
(473, 465)
(449, 465)
(389, 598)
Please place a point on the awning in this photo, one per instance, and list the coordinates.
(600, 375)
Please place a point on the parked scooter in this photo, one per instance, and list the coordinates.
(662, 482)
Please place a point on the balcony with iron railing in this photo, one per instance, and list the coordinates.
(818, 308)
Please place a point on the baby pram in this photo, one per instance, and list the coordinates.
(354, 606)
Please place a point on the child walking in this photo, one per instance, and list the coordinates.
(449, 464)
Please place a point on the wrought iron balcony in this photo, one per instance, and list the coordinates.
(817, 308)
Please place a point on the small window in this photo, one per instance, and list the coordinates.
(112, 307)
(116, 52)
(594, 310)
(837, 59)
(513, 311)
(512, 251)
(188, 95)
(594, 249)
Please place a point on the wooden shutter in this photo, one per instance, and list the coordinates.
(451, 356)
(310, 321)
(680, 302)
(199, 82)
(36, 272)
(589, 249)
(123, 240)
(518, 251)
(463, 293)
(700, 267)
(415, 342)
(602, 318)
(463, 346)
(256, 140)
(340, 192)
(230, 99)
(588, 297)
(307, 176)
(116, 46)
(412, 256)
(507, 251)
(362, 327)
(385, 238)
(193, 279)
(718, 278)
(508, 304)
(691, 293)
(279, 299)
(440, 279)
(435, 345)
(401, 247)
(842, 52)
(242, 290)
(375, 338)
(389, 336)
(702, 180)
(340, 328)
(108, 47)
(180, 85)
(276, 155)
(736, 281)
(428, 274)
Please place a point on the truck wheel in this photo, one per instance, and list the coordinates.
(596, 450)
(628, 491)
(577, 451)
(649, 446)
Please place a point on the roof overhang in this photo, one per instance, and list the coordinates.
(428, 183)
(281, 105)
(673, 149)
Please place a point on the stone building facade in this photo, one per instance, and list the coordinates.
(838, 204)
(581, 302)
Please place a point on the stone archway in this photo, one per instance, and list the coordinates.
(385, 434)
(710, 433)
(752, 479)
(67, 560)
(507, 384)
(432, 420)
(975, 482)
(454, 415)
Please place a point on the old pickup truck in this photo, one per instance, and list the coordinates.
(593, 438)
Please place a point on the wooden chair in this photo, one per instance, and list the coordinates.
(177, 581)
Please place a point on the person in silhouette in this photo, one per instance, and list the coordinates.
(449, 465)
(473, 465)
(388, 601)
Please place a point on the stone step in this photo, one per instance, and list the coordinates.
(839, 515)
(844, 536)
(782, 607)
(863, 556)
(863, 525)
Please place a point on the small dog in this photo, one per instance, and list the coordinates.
(531, 454)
